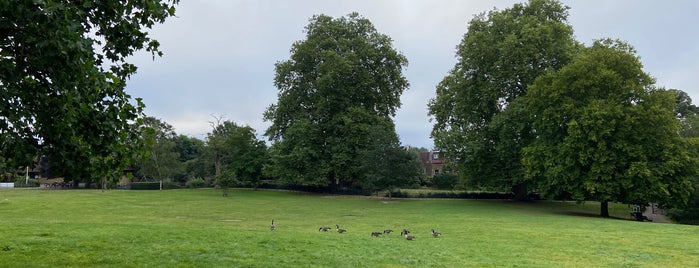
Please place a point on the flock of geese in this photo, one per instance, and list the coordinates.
(405, 233)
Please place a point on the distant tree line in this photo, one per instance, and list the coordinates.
(232, 156)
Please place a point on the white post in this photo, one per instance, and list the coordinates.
(26, 176)
(161, 185)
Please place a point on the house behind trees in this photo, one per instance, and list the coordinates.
(432, 163)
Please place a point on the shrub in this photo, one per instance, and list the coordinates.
(686, 215)
(145, 186)
(20, 182)
(450, 194)
(445, 181)
(196, 183)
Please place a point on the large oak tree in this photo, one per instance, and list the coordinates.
(603, 131)
(62, 76)
(342, 79)
(501, 54)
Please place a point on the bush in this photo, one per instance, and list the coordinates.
(450, 194)
(20, 182)
(445, 181)
(196, 183)
(686, 215)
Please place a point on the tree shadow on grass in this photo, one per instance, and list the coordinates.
(585, 214)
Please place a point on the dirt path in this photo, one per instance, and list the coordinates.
(656, 217)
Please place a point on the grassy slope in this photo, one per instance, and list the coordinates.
(199, 228)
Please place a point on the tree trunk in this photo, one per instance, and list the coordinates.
(520, 191)
(217, 163)
(604, 209)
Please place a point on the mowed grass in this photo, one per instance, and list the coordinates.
(199, 228)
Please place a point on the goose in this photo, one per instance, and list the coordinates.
(387, 231)
(435, 234)
(404, 232)
(273, 226)
(324, 229)
(409, 237)
(340, 230)
(377, 234)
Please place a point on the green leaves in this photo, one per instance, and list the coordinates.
(501, 54)
(237, 153)
(610, 134)
(339, 81)
(58, 98)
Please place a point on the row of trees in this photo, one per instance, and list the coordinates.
(232, 155)
(526, 107)
(530, 108)
(63, 68)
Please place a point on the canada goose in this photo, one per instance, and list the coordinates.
(272, 227)
(435, 234)
(404, 232)
(324, 229)
(340, 230)
(409, 237)
(377, 234)
(387, 231)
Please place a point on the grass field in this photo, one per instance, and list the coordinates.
(199, 228)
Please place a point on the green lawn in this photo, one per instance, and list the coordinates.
(199, 228)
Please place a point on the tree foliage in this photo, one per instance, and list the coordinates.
(192, 155)
(610, 135)
(239, 155)
(683, 104)
(501, 54)
(161, 160)
(63, 69)
(385, 164)
(342, 79)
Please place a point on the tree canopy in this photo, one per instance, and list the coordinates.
(385, 164)
(501, 54)
(238, 155)
(62, 76)
(161, 160)
(338, 82)
(603, 131)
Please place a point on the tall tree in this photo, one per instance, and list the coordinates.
(342, 77)
(247, 155)
(161, 160)
(237, 153)
(385, 164)
(603, 131)
(688, 115)
(63, 69)
(192, 152)
(683, 104)
(501, 54)
(216, 139)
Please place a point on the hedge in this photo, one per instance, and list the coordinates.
(145, 186)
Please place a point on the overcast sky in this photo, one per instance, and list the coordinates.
(220, 54)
